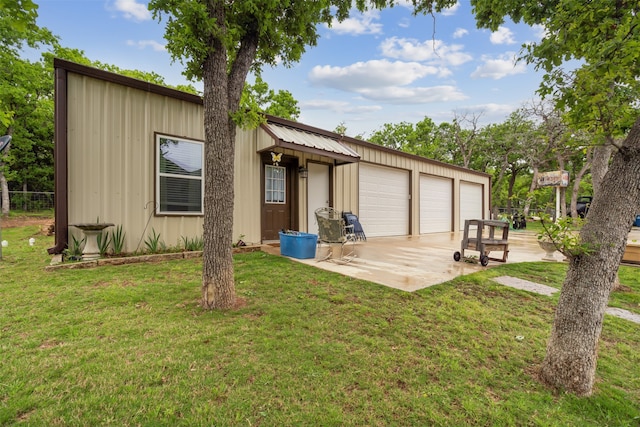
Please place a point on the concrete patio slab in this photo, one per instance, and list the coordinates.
(411, 263)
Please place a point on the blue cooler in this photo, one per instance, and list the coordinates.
(298, 244)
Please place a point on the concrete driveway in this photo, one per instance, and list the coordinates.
(410, 263)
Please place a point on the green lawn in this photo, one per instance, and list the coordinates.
(129, 345)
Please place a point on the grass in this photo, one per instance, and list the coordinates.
(129, 345)
(42, 213)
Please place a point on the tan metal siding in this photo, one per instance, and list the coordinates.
(111, 161)
(247, 197)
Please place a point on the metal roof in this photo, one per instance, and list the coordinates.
(331, 147)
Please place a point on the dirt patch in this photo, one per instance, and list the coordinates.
(45, 224)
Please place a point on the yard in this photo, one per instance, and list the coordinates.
(129, 345)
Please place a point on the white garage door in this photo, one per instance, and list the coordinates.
(436, 201)
(470, 202)
(384, 200)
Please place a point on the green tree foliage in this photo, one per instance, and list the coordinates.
(420, 139)
(30, 160)
(509, 143)
(22, 97)
(258, 97)
(460, 141)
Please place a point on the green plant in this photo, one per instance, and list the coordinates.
(117, 240)
(74, 251)
(564, 234)
(193, 244)
(103, 243)
(153, 243)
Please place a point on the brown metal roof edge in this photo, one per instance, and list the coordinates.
(61, 210)
(363, 143)
(125, 81)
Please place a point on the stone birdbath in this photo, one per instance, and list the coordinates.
(91, 231)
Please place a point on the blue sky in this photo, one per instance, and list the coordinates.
(375, 68)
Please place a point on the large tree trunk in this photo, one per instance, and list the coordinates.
(576, 183)
(218, 290)
(4, 186)
(532, 187)
(222, 90)
(599, 165)
(5, 193)
(570, 362)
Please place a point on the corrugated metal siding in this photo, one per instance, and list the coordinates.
(112, 162)
(346, 191)
(247, 200)
(311, 140)
(112, 165)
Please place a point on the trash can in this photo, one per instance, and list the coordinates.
(297, 244)
(637, 222)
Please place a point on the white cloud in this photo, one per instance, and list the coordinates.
(385, 81)
(459, 33)
(451, 10)
(497, 68)
(405, 3)
(341, 107)
(413, 95)
(540, 31)
(502, 36)
(429, 50)
(370, 74)
(492, 109)
(132, 10)
(404, 23)
(446, 12)
(143, 44)
(358, 24)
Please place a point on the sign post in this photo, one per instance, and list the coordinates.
(556, 179)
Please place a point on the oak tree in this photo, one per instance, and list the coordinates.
(219, 42)
(604, 36)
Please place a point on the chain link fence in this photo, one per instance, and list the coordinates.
(30, 201)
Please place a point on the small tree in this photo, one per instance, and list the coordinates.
(605, 37)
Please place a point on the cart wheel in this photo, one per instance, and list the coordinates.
(456, 256)
(484, 260)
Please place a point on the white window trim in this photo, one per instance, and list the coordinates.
(158, 174)
(285, 185)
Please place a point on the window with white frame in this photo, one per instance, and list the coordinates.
(275, 184)
(179, 179)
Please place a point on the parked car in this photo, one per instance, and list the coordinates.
(582, 205)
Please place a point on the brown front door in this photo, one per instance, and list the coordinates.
(278, 206)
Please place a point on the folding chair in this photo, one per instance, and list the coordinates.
(352, 219)
(333, 232)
